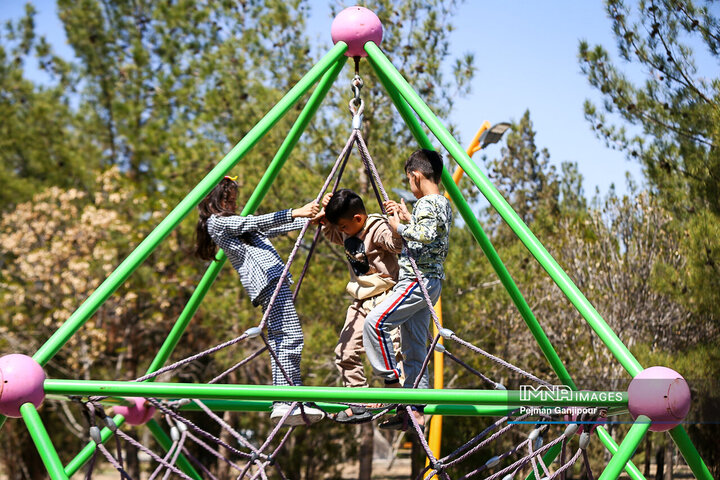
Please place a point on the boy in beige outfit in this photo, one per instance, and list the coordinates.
(372, 249)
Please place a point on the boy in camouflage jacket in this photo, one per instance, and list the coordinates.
(426, 235)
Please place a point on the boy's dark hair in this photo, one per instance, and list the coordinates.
(427, 162)
(344, 204)
(220, 201)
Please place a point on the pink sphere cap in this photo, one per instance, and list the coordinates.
(661, 394)
(138, 414)
(21, 381)
(356, 26)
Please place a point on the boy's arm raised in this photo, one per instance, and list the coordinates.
(332, 233)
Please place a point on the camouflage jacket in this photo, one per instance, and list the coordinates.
(427, 237)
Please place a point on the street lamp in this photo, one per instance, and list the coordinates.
(492, 135)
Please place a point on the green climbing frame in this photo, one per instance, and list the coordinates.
(245, 397)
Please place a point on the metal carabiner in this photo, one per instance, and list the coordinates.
(356, 103)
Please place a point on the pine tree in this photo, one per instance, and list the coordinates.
(674, 113)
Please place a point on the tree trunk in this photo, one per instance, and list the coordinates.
(669, 449)
(130, 460)
(648, 454)
(660, 462)
(417, 457)
(366, 451)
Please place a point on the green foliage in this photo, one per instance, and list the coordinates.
(39, 138)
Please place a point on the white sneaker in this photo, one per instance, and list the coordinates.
(295, 418)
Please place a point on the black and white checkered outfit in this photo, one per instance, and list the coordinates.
(245, 243)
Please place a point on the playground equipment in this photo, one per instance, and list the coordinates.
(356, 32)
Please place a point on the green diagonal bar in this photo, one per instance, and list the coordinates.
(252, 204)
(480, 236)
(42, 441)
(535, 328)
(81, 458)
(166, 442)
(690, 453)
(125, 269)
(610, 444)
(626, 449)
(548, 458)
(562, 280)
(215, 267)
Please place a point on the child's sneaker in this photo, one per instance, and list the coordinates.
(295, 418)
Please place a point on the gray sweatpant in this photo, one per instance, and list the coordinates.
(407, 309)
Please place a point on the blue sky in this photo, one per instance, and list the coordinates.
(526, 53)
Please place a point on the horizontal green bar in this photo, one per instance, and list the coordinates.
(266, 406)
(329, 394)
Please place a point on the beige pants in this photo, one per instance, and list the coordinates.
(350, 344)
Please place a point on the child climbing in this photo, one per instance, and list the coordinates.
(405, 307)
(371, 249)
(245, 241)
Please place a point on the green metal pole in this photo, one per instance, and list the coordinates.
(81, 458)
(252, 204)
(125, 269)
(535, 328)
(331, 394)
(619, 350)
(548, 458)
(42, 442)
(166, 442)
(480, 236)
(610, 444)
(690, 453)
(626, 449)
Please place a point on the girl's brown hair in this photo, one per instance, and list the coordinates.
(220, 201)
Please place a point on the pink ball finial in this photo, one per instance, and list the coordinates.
(356, 26)
(661, 394)
(21, 381)
(138, 414)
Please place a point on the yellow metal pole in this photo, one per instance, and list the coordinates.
(435, 435)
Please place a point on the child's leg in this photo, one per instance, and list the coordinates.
(400, 305)
(414, 334)
(285, 338)
(350, 346)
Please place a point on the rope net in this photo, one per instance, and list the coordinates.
(248, 459)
